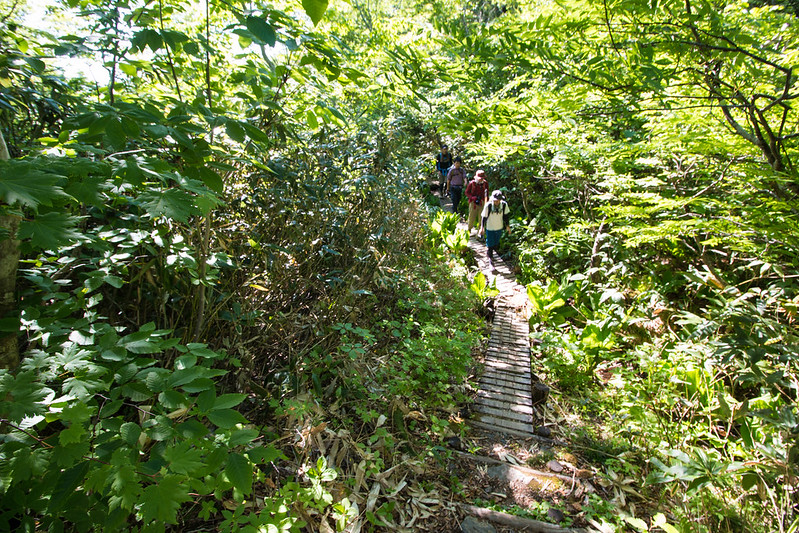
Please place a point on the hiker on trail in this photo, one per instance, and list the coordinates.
(477, 193)
(496, 215)
(456, 179)
(443, 164)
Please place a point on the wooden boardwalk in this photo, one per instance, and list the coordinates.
(505, 397)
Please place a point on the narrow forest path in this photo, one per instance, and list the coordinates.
(508, 390)
(505, 399)
(505, 410)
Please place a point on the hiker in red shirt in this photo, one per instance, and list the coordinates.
(477, 193)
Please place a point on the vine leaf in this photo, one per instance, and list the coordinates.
(125, 487)
(171, 203)
(161, 501)
(24, 183)
(49, 231)
(184, 459)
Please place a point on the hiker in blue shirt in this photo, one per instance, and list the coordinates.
(443, 162)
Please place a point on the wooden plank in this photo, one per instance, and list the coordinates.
(513, 407)
(505, 414)
(514, 428)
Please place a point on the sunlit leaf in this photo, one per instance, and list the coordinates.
(315, 9)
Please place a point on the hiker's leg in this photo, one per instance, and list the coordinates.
(492, 242)
(474, 212)
(456, 198)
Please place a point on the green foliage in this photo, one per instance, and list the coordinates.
(102, 427)
(480, 287)
(444, 232)
(444, 223)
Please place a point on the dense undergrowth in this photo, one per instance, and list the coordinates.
(331, 315)
(671, 344)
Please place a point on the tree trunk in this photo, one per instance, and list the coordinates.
(9, 260)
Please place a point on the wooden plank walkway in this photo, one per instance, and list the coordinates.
(505, 397)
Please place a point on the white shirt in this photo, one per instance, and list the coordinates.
(495, 217)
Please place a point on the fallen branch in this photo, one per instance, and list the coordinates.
(517, 522)
(522, 469)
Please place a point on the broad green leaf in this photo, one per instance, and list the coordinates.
(206, 399)
(185, 361)
(659, 520)
(88, 190)
(25, 183)
(115, 134)
(211, 179)
(229, 400)
(192, 429)
(73, 434)
(191, 374)
(184, 459)
(315, 9)
(243, 436)
(140, 342)
(130, 432)
(255, 133)
(239, 472)
(50, 231)
(153, 39)
(161, 501)
(125, 487)
(65, 486)
(264, 454)
(172, 399)
(313, 123)
(171, 203)
(36, 64)
(128, 69)
(226, 418)
(21, 395)
(235, 131)
(637, 523)
(262, 30)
